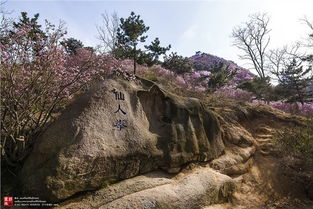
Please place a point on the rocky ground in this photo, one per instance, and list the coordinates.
(251, 174)
(179, 152)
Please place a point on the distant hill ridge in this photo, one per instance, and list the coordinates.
(205, 61)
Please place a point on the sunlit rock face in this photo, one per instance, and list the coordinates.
(116, 130)
(187, 190)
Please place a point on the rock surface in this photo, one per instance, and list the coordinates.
(200, 187)
(89, 145)
(175, 152)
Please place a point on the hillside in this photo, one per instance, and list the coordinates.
(169, 151)
(124, 121)
(206, 61)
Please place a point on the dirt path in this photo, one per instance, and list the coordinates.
(267, 184)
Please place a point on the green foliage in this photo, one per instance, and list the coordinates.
(155, 50)
(123, 52)
(89, 48)
(34, 32)
(146, 59)
(221, 74)
(199, 65)
(298, 141)
(71, 45)
(177, 63)
(260, 87)
(295, 82)
(130, 32)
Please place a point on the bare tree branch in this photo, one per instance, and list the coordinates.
(279, 59)
(107, 31)
(309, 40)
(252, 39)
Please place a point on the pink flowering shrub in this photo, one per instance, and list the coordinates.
(204, 73)
(206, 62)
(295, 108)
(197, 79)
(233, 93)
(241, 76)
(37, 79)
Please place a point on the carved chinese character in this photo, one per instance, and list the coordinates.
(118, 95)
(120, 109)
(120, 124)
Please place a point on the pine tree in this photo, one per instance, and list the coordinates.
(130, 32)
(176, 63)
(221, 74)
(71, 45)
(35, 34)
(296, 82)
(155, 50)
(260, 87)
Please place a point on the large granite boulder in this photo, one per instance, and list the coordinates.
(116, 130)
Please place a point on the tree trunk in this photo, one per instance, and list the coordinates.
(135, 60)
(135, 64)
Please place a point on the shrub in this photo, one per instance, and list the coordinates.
(177, 64)
(233, 93)
(298, 141)
(295, 108)
(260, 87)
(38, 78)
(151, 74)
(221, 75)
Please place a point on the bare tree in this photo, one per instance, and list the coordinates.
(252, 38)
(309, 44)
(5, 23)
(279, 59)
(3, 12)
(310, 25)
(2, 9)
(107, 31)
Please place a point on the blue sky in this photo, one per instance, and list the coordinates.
(189, 26)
